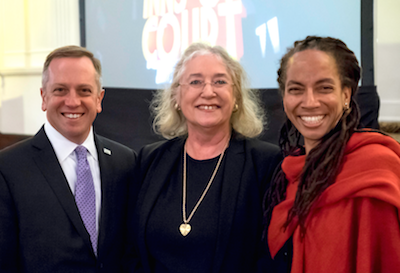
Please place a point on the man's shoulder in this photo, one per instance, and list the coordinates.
(161, 146)
(109, 143)
(19, 148)
(118, 151)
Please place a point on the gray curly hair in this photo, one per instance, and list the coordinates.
(248, 120)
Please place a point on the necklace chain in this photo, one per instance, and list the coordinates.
(186, 220)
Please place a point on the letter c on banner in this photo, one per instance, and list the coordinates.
(150, 26)
(168, 19)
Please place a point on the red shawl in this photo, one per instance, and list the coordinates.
(354, 226)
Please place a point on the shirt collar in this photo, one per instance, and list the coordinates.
(64, 147)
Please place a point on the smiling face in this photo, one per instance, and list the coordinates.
(207, 108)
(314, 98)
(71, 97)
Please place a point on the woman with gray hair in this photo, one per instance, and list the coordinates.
(200, 206)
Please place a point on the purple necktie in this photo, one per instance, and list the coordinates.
(85, 197)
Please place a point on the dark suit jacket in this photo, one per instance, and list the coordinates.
(40, 227)
(249, 165)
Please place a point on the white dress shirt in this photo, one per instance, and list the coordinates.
(65, 152)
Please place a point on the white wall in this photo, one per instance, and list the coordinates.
(387, 57)
(29, 30)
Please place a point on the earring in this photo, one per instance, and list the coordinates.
(346, 106)
(235, 108)
(176, 106)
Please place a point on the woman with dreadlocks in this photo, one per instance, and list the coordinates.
(336, 199)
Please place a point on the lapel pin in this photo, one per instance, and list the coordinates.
(107, 151)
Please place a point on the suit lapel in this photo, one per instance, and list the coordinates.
(48, 164)
(233, 170)
(155, 179)
(107, 192)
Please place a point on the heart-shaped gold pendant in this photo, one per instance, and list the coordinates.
(185, 229)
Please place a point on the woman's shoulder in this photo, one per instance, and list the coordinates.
(160, 147)
(369, 151)
(256, 145)
(370, 169)
(261, 152)
(374, 143)
(261, 160)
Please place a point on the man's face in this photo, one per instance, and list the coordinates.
(71, 97)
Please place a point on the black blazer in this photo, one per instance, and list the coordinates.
(249, 166)
(40, 227)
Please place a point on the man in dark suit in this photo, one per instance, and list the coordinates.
(43, 226)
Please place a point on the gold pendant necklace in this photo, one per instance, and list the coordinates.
(185, 227)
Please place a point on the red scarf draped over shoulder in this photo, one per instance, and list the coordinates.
(354, 225)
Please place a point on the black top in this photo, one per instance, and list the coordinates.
(169, 249)
(245, 174)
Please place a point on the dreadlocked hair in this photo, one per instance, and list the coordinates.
(323, 163)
